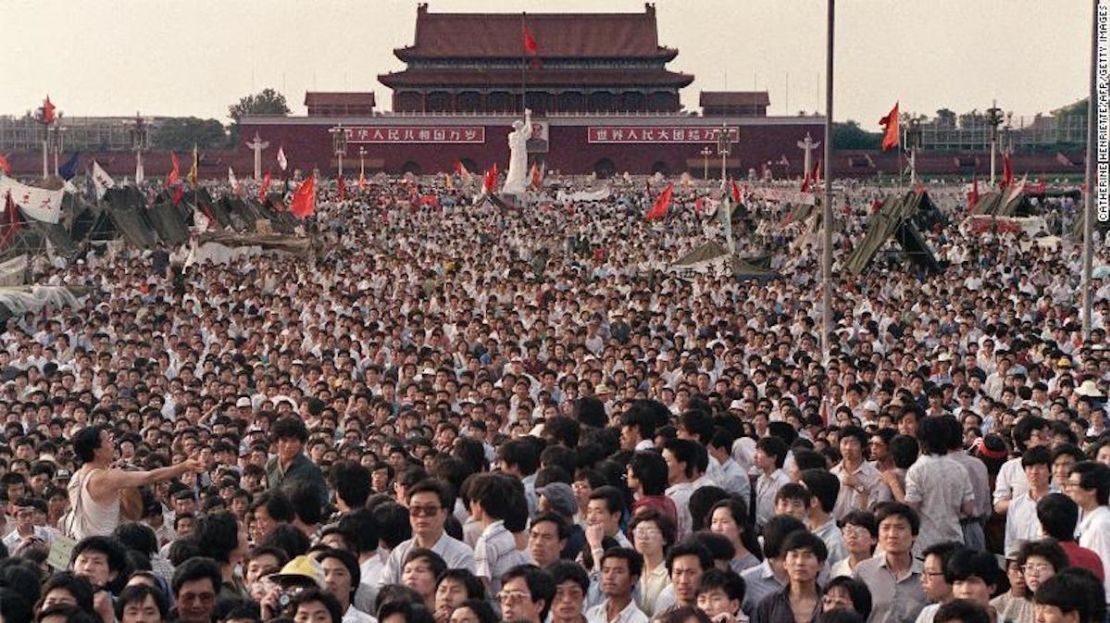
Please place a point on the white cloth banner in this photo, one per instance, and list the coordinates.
(37, 203)
(584, 195)
(101, 180)
(282, 161)
(783, 196)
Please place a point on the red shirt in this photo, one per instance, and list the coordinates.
(1083, 557)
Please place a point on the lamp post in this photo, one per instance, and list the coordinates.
(994, 118)
(724, 140)
(361, 163)
(913, 140)
(140, 142)
(339, 143)
(57, 143)
(706, 152)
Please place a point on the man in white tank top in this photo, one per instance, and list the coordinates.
(94, 491)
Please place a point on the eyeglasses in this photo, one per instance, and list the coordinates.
(1035, 567)
(647, 531)
(508, 597)
(424, 511)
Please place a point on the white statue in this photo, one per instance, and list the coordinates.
(516, 177)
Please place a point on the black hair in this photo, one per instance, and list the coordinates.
(1037, 455)
(892, 509)
(773, 447)
(540, 584)
(1058, 515)
(738, 510)
(651, 470)
(522, 453)
(699, 423)
(481, 608)
(824, 486)
(289, 539)
(492, 491)
(701, 501)
(289, 427)
(360, 523)
(726, 580)
(76, 585)
(71, 613)
(942, 550)
(963, 611)
(1048, 549)
(614, 500)
(934, 434)
(393, 523)
(1095, 476)
(802, 540)
(685, 451)
(775, 532)
(965, 563)
(436, 561)
(351, 482)
(562, 430)
(111, 548)
(565, 570)
(14, 606)
(138, 594)
(348, 559)
(634, 559)
(475, 589)
(197, 568)
(690, 547)
(86, 441)
(431, 485)
(904, 451)
(562, 528)
(664, 522)
(305, 497)
(806, 459)
(857, 592)
(1074, 589)
(218, 536)
(794, 491)
(311, 595)
(277, 504)
(863, 519)
(138, 537)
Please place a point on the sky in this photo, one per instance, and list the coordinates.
(161, 57)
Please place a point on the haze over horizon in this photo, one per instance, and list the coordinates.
(171, 59)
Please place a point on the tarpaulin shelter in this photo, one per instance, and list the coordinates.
(896, 220)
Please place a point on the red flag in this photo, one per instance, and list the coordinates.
(890, 122)
(737, 196)
(178, 195)
(805, 183)
(817, 173)
(48, 116)
(11, 219)
(1007, 172)
(973, 196)
(265, 188)
(342, 184)
(662, 204)
(5, 166)
(175, 173)
(304, 199)
(361, 181)
(531, 47)
(489, 182)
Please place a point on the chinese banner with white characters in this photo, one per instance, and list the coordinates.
(416, 134)
(616, 134)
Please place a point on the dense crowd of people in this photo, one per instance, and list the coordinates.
(461, 413)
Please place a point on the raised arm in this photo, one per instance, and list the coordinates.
(112, 480)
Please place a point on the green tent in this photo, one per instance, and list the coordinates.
(895, 219)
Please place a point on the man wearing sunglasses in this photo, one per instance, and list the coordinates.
(428, 504)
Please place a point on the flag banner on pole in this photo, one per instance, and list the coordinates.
(48, 114)
(489, 180)
(281, 160)
(194, 171)
(68, 170)
(264, 188)
(101, 180)
(5, 166)
(531, 47)
(175, 173)
(304, 199)
(37, 203)
(891, 137)
(662, 204)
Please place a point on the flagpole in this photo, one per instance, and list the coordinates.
(1092, 183)
(826, 208)
(523, 62)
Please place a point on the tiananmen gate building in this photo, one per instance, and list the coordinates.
(601, 96)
